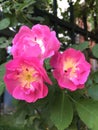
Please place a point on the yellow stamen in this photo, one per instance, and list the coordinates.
(70, 64)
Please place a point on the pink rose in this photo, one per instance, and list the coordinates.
(70, 69)
(25, 79)
(36, 42)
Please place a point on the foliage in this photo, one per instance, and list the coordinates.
(4, 23)
(94, 50)
(60, 110)
(87, 110)
(62, 115)
(82, 46)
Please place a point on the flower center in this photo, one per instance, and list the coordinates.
(27, 76)
(70, 67)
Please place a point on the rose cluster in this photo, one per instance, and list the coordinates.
(25, 75)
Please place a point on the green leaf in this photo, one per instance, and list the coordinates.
(88, 112)
(26, 3)
(62, 112)
(89, 82)
(81, 46)
(2, 40)
(5, 42)
(7, 123)
(47, 64)
(95, 77)
(93, 91)
(2, 85)
(2, 71)
(38, 18)
(95, 50)
(4, 23)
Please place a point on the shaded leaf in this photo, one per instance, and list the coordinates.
(95, 51)
(81, 46)
(47, 64)
(2, 40)
(89, 82)
(93, 91)
(38, 18)
(2, 85)
(95, 77)
(6, 123)
(4, 23)
(25, 4)
(5, 42)
(88, 112)
(3, 55)
(62, 112)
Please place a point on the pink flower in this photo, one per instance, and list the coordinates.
(24, 79)
(70, 69)
(37, 42)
